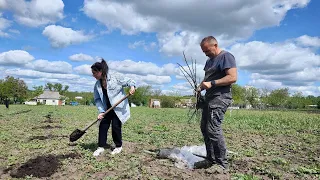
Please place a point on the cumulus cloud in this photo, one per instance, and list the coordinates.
(3, 4)
(146, 46)
(108, 13)
(308, 41)
(141, 67)
(149, 79)
(276, 58)
(15, 57)
(276, 65)
(61, 37)
(4, 24)
(83, 69)
(81, 57)
(183, 87)
(50, 66)
(177, 30)
(34, 13)
(24, 73)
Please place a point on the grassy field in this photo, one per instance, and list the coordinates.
(267, 144)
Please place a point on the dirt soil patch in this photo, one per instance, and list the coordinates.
(46, 137)
(47, 127)
(41, 166)
(20, 112)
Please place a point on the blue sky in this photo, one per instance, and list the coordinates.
(276, 44)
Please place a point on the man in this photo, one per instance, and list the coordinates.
(220, 72)
(6, 102)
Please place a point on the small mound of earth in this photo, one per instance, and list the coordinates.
(48, 121)
(41, 166)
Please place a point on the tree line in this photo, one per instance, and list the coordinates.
(16, 90)
(277, 98)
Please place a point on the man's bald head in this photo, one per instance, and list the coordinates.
(209, 46)
(209, 40)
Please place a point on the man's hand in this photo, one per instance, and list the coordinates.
(206, 85)
(132, 90)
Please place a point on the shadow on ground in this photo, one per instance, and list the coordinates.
(93, 146)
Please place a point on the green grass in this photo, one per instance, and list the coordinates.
(267, 144)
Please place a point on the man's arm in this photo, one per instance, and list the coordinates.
(231, 77)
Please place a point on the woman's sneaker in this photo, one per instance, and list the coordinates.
(116, 150)
(98, 151)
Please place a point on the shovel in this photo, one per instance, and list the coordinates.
(76, 134)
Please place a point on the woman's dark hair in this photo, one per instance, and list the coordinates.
(102, 67)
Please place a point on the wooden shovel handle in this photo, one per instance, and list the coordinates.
(108, 111)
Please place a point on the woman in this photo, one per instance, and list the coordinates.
(108, 90)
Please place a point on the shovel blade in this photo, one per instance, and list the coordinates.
(76, 134)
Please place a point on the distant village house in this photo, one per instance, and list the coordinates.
(48, 98)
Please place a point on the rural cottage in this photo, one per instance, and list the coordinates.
(50, 98)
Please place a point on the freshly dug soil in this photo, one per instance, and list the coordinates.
(41, 166)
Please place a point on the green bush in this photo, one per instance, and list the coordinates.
(167, 101)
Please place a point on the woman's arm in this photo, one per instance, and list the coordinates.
(97, 100)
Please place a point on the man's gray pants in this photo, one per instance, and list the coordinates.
(211, 128)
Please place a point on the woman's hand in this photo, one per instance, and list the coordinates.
(132, 90)
(100, 116)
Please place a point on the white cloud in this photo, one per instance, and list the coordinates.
(3, 4)
(146, 46)
(149, 79)
(81, 57)
(83, 69)
(4, 24)
(145, 72)
(276, 58)
(165, 16)
(50, 66)
(265, 83)
(61, 37)
(178, 30)
(115, 15)
(132, 67)
(36, 74)
(182, 87)
(278, 65)
(79, 84)
(307, 90)
(15, 57)
(306, 40)
(141, 67)
(35, 13)
(4, 34)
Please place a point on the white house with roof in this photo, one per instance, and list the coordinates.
(50, 98)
